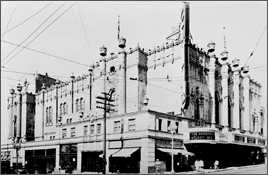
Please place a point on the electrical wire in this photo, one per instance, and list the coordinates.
(84, 27)
(78, 32)
(32, 33)
(48, 54)
(255, 47)
(40, 33)
(10, 18)
(26, 19)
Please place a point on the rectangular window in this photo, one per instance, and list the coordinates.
(70, 120)
(131, 124)
(92, 129)
(177, 127)
(72, 132)
(117, 126)
(160, 124)
(85, 130)
(168, 125)
(67, 121)
(64, 133)
(98, 128)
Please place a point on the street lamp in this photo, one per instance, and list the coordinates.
(172, 128)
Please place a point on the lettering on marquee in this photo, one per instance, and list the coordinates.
(202, 135)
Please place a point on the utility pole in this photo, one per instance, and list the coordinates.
(107, 108)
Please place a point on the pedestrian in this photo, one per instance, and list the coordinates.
(216, 164)
(201, 165)
(196, 165)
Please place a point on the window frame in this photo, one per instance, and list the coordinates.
(98, 130)
(85, 130)
(132, 124)
(117, 129)
(73, 132)
(92, 132)
(64, 133)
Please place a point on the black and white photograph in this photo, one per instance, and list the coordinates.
(133, 87)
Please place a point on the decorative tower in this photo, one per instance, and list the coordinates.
(224, 84)
(211, 75)
(122, 76)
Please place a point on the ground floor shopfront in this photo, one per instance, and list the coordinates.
(130, 155)
(230, 149)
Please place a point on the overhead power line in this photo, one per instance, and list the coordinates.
(83, 27)
(255, 47)
(46, 53)
(10, 18)
(40, 33)
(33, 32)
(26, 19)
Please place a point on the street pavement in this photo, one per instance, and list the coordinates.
(257, 169)
(252, 169)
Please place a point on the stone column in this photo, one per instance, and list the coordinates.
(211, 76)
(246, 115)
(79, 158)
(122, 76)
(22, 155)
(18, 132)
(224, 84)
(147, 155)
(236, 79)
(57, 163)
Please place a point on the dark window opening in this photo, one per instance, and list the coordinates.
(160, 124)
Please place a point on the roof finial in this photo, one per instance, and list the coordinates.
(224, 39)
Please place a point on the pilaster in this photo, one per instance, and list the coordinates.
(224, 111)
(246, 121)
(212, 87)
(147, 155)
(235, 115)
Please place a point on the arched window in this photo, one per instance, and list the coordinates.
(50, 114)
(61, 109)
(47, 115)
(65, 108)
(81, 104)
(15, 125)
(77, 105)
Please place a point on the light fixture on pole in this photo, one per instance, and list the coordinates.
(172, 128)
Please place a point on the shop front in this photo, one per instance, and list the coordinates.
(92, 161)
(68, 157)
(125, 160)
(230, 149)
(40, 161)
(164, 152)
(5, 161)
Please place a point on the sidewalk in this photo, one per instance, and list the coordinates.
(207, 171)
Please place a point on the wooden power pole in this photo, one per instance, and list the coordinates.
(105, 101)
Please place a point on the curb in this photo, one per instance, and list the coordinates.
(233, 168)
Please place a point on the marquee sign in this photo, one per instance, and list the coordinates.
(167, 143)
(261, 142)
(202, 135)
(251, 140)
(238, 138)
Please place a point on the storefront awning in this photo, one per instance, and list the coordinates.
(124, 152)
(176, 151)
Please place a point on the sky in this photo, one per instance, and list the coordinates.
(78, 34)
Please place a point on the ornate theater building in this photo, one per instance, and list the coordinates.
(175, 98)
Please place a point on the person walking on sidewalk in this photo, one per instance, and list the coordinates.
(216, 164)
(197, 164)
